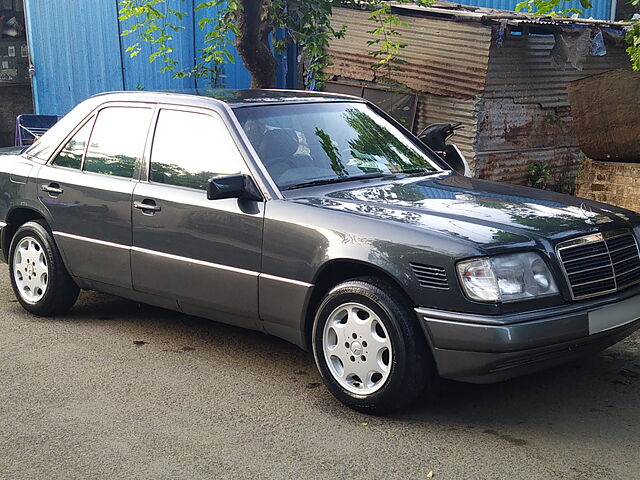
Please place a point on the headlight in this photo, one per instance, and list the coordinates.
(636, 230)
(506, 278)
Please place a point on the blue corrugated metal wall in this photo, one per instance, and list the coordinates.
(77, 51)
(601, 8)
(140, 73)
(75, 55)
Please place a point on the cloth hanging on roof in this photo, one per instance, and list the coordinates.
(571, 48)
(574, 44)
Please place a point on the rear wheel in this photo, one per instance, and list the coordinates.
(370, 351)
(39, 278)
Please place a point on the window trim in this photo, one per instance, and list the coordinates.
(136, 168)
(90, 118)
(86, 118)
(145, 175)
(259, 172)
(248, 154)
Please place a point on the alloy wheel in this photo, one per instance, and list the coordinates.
(30, 270)
(357, 348)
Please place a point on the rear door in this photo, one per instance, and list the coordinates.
(204, 253)
(88, 190)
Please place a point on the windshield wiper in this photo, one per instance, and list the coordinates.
(327, 181)
(421, 173)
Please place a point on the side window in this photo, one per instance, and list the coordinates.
(190, 148)
(117, 141)
(71, 155)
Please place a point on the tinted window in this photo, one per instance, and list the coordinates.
(190, 148)
(117, 141)
(71, 155)
(328, 141)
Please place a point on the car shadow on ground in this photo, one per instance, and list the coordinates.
(594, 397)
(599, 390)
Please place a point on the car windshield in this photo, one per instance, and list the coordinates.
(315, 143)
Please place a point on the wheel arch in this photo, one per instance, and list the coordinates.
(16, 217)
(336, 271)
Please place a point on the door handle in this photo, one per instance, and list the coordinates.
(147, 206)
(53, 189)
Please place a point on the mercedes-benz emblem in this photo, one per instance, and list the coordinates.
(587, 212)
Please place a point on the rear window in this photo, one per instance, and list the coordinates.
(117, 141)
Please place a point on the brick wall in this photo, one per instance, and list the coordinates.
(616, 183)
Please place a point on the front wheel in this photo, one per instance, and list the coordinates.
(38, 276)
(369, 349)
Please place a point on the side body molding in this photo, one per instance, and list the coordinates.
(281, 294)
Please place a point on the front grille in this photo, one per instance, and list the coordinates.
(600, 263)
(430, 277)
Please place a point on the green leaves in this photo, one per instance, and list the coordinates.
(209, 4)
(539, 173)
(549, 7)
(387, 41)
(306, 23)
(633, 39)
(153, 23)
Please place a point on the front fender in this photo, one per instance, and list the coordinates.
(301, 241)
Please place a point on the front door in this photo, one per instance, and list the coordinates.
(203, 253)
(88, 190)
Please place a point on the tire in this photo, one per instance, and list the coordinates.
(39, 278)
(365, 328)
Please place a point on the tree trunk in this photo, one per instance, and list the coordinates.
(252, 43)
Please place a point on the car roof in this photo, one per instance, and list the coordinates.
(188, 97)
(234, 98)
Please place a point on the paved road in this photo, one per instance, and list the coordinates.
(119, 390)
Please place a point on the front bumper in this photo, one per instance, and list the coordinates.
(485, 349)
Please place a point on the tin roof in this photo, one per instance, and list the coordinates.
(465, 13)
(522, 69)
(443, 58)
(453, 50)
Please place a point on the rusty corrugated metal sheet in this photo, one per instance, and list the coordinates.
(440, 109)
(512, 101)
(504, 124)
(511, 165)
(522, 69)
(445, 58)
(524, 115)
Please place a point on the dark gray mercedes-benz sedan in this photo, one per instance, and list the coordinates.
(318, 219)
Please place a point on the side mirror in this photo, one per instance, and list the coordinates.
(241, 187)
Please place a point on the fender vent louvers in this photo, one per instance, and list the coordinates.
(430, 277)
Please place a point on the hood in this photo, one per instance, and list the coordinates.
(483, 212)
